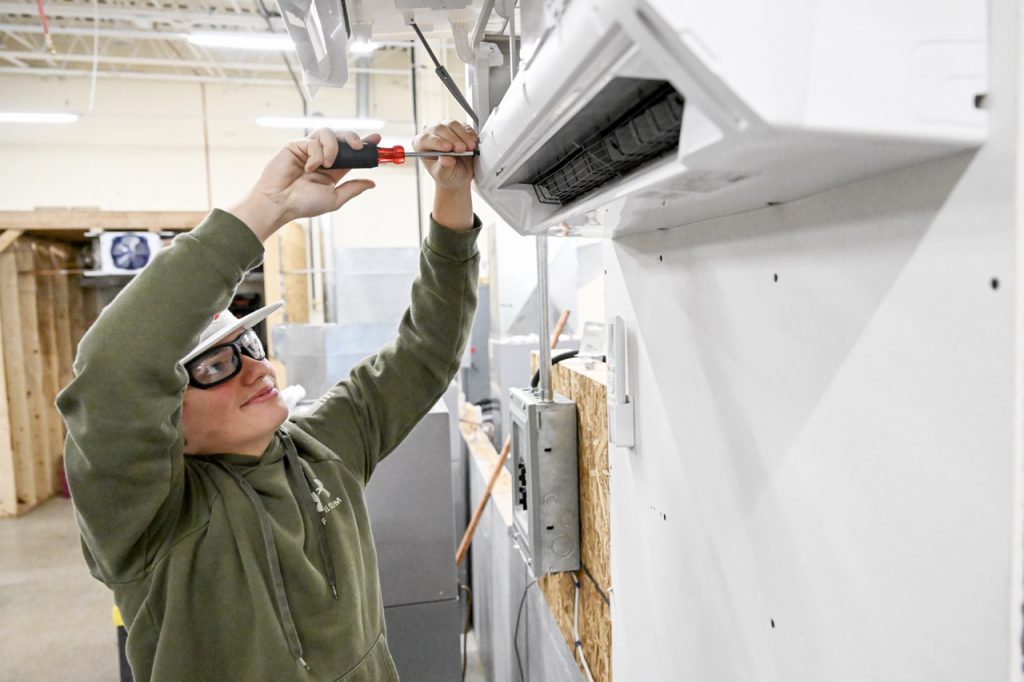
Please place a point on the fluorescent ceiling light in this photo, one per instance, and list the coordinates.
(362, 47)
(243, 41)
(35, 117)
(320, 122)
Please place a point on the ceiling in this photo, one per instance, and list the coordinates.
(145, 39)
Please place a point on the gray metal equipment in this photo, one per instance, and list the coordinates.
(410, 504)
(545, 476)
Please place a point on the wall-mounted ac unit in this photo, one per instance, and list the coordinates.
(634, 115)
(122, 253)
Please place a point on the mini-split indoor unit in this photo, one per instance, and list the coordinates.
(122, 253)
(634, 115)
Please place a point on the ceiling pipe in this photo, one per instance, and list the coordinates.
(146, 17)
(184, 63)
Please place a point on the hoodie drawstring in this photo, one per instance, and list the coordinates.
(299, 479)
(302, 478)
(283, 608)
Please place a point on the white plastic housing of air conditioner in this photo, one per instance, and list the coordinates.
(782, 100)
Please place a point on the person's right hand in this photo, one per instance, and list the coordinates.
(296, 185)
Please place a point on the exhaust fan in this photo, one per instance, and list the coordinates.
(122, 253)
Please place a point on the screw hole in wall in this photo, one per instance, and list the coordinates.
(775, 277)
(995, 283)
(660, 258)
(979, 100)
(773, 623)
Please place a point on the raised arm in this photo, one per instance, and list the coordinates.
(367, 415)
(124, 450)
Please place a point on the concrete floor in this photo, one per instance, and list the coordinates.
(54, 617)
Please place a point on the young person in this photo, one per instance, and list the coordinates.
(236, 540)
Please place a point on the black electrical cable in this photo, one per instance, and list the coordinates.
(465, 625)
(344, 15)
(554, 361)
(597, 587)
(515, 634)
(446, 77)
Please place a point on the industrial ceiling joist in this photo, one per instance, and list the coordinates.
(147, 39)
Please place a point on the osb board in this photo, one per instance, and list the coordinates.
(586, 387)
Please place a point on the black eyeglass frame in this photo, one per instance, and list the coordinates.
(237, 349)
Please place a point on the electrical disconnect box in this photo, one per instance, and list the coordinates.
(545, 506)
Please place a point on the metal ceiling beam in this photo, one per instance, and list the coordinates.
(148, 61)
(144, 76)
(149, 15)
(274, 67)
(14, 60)
(125, 33)
(17, 38)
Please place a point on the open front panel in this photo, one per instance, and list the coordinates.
(631, 122)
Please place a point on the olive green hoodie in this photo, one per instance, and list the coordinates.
(226, 567)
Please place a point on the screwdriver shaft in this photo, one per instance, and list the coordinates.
(433, 154)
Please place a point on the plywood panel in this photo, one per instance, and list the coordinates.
(40, 436)
(273, 290)
(17, 390)
(8, 489)
(59, 255)
(294, 266)
(81, 219)
(46, 312)
(42, 310)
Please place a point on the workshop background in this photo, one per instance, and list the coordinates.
(826, 473)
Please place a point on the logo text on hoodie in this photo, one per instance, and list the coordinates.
(331, 505)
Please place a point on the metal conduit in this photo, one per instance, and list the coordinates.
(545, 335)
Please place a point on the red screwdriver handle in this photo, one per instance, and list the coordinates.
(370, 156)
(394, 154)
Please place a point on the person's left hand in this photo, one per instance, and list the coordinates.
(449, 172)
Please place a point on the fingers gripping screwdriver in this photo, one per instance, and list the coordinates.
(371, 156)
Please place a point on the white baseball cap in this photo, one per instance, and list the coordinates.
(224, 324)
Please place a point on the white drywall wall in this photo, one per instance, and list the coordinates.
(141, 147)
(827, 478)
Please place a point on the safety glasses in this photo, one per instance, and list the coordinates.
(223, 362)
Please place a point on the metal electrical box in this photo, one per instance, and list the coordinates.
(545, 506)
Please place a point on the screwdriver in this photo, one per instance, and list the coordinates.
(371, 156)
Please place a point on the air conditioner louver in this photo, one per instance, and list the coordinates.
(644, 132)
